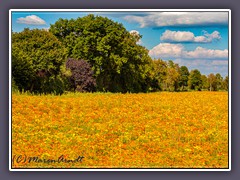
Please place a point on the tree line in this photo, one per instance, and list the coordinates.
(94, 53)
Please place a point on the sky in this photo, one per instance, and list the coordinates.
(198, 40)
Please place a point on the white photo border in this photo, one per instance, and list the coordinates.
(120, 169)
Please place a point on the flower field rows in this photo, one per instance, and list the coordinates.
(155, 130)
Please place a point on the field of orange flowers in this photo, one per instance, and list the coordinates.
(155, 130)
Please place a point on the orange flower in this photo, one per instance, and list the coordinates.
(123, 130)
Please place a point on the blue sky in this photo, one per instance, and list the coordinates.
(198, 40)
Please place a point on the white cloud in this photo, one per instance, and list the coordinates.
(168, 51)
(214, 35)
(204, 53)
(140, 42)
(136, 33)
(177, 36)
(187, 36)
(32, 20)
(166, 19)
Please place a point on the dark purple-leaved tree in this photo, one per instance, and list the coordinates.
(81, 78)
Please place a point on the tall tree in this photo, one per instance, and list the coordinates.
(159, 74)
(219, 81)
(173, 75)
(37, 57)
(183, 79)
(225, 83)
(195, 81)
(205, 84)
(212, 82)
(118, 62)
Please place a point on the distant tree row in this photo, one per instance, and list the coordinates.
(93, 53)
(168, 76)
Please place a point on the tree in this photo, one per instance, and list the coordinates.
(159, 74)
(219, 81)
(37, 57)
(81, 78)
(173, 75)
(195, 81)
(225, 83)
(212, 81)
(205, 84)
(14, 86)
(183, 79)
(118, 62)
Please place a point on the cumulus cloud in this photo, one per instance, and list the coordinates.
(187, 36)
(31, 20)
(214, 35)
(203, 53)
(171, 19)
(168, 51)
(177, 36)
(136, 33)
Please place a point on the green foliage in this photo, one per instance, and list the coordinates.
(37, 56)
(113, 61)
(212, 81)
(195, 81)
(173, 75)
(183, 79)
(14, 86)
(225, 83)
(219, 81)
(205, 84)
(159, 74)
(119, 63)
(216, 82)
